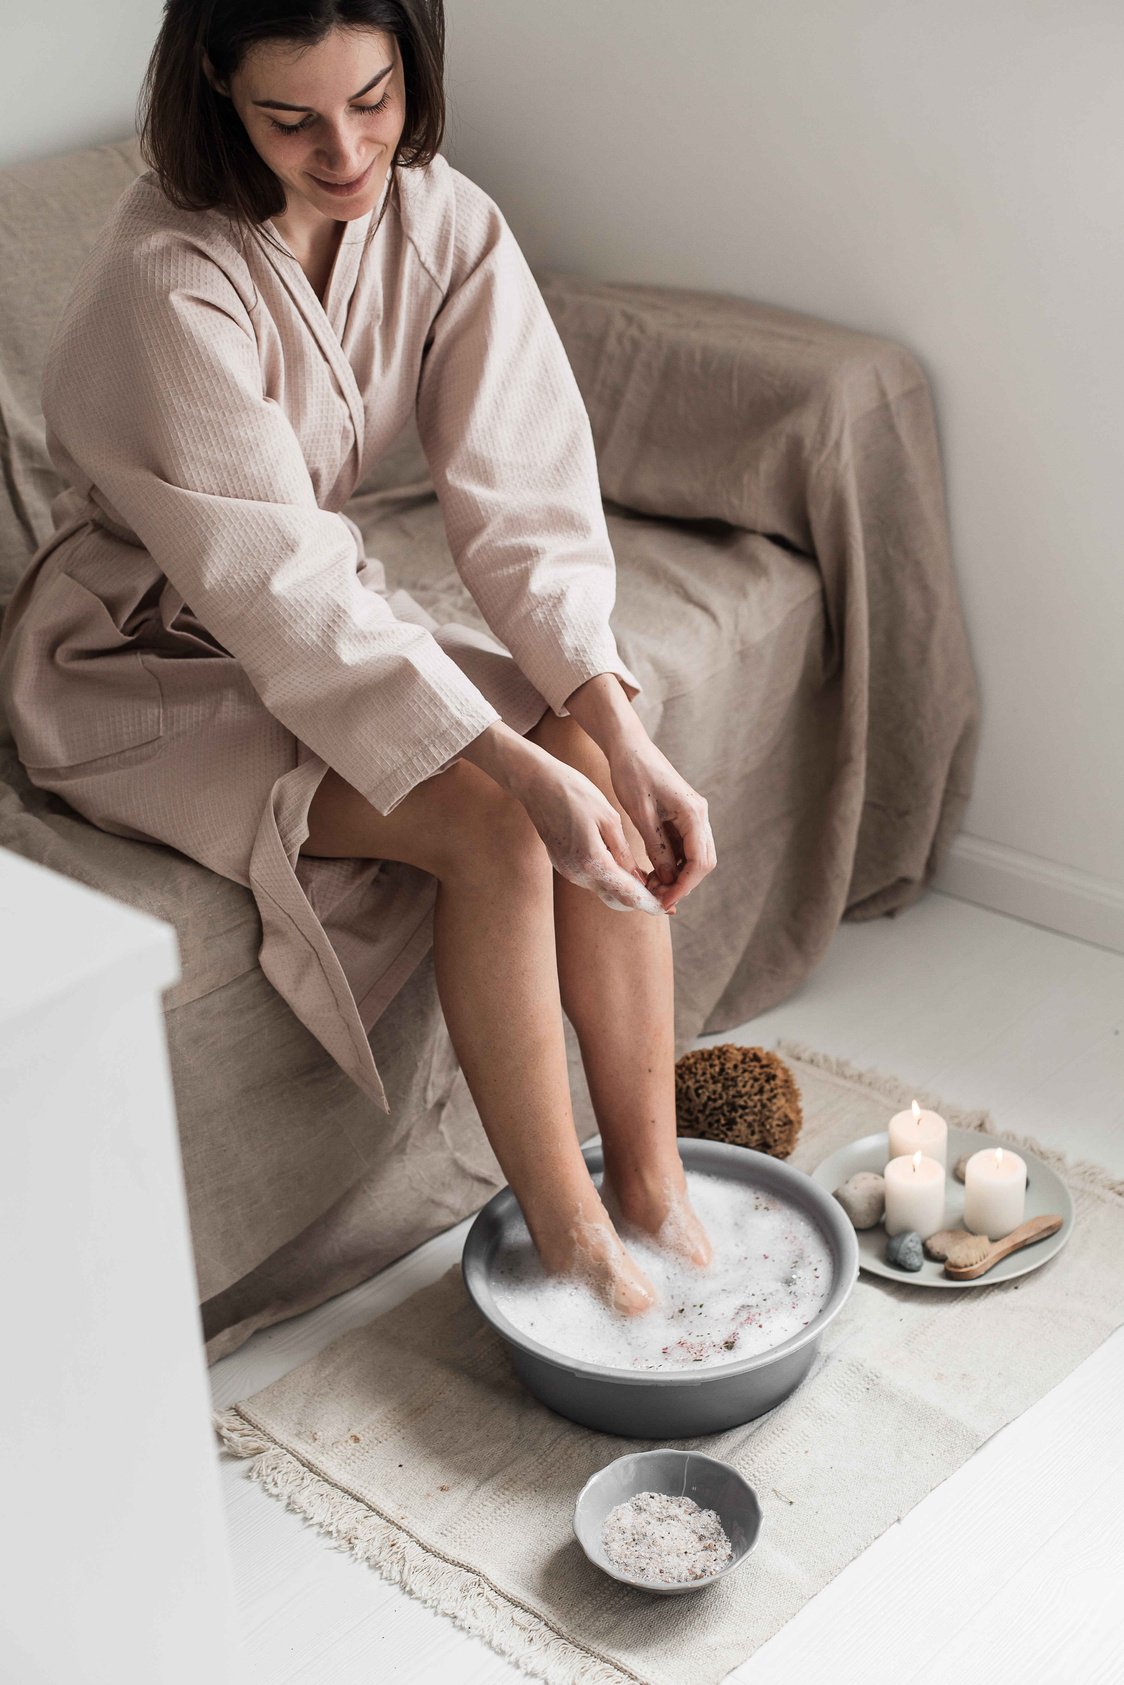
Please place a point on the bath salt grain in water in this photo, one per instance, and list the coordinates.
(770, 1275)
(671, 1540)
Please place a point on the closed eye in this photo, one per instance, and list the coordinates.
(295, 128)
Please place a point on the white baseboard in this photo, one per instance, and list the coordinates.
(1039, 891)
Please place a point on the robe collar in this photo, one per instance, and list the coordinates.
(328, 321)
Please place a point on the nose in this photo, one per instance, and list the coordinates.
(336, 163)
(341, 165)
(340, 172)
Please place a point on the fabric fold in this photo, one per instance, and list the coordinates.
(717, 408)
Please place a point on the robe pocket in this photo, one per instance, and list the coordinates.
(79, 685)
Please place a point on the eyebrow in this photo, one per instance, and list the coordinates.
(279, 105)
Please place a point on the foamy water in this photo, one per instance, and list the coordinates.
(770, 1275)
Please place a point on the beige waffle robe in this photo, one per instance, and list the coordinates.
(203, 635)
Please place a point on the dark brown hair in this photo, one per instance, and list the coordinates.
(193, 139)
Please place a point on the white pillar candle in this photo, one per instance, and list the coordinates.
(919, 1130)
(994, 1192)
(915, 1189)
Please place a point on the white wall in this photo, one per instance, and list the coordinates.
(950, 175)
(70, 73)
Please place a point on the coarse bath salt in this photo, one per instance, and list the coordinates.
(670, 1540)
(770, 1275)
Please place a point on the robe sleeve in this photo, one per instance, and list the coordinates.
(155, 405)
(510, 450)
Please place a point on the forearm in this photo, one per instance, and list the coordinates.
(602, 708)
(504, 755)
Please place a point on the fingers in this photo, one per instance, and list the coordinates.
(672, 819)
(619, 890)
(635, 892)
(611, 873)
(692, 842)
(661, 850)
(659, 845)
(612, 833)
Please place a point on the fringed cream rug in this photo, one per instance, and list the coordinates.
(412, 1444)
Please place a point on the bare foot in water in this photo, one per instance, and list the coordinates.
(595, 1254)
(667, 1218)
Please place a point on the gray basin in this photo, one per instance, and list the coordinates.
(674, 1403)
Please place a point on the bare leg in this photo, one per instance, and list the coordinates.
(616, 981)
(497, 979)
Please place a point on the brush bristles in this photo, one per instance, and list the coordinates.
(957, 1246)
(971, 1249)
(938, 1244)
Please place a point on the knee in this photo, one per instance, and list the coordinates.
(570, 742)
(489, 837)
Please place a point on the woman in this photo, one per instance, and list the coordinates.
(203, 656)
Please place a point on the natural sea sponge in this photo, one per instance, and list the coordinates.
(744, 1095)
(863, 1198)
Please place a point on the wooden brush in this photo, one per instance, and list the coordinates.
(961, 1245)
(1037, 1228)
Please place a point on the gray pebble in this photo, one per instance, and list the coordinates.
(904, 1250)
(863, 1198)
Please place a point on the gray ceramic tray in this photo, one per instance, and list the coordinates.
(1046, 1193)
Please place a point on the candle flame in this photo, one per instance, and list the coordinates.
(917, 1159)
(998, 1157)
(916, 1112)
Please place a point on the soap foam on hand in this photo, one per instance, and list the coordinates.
(770, 1275)
(619, 891)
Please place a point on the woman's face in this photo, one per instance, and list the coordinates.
(346, 124)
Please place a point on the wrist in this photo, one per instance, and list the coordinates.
(503, 754)
(602, 707)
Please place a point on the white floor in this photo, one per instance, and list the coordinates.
(1013, 1567)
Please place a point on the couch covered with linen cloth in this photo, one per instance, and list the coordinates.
(786, 596)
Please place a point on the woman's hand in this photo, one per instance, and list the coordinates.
(583, 834)
(671, 817)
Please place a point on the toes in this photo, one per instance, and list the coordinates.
(634, 1300)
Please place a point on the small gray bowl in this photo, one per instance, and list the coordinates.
(712, 1483)
(670, 1403)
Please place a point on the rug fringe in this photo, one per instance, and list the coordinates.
(517, 1633)
(238, 1435)
(1093, 1176)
